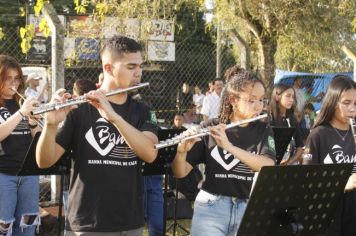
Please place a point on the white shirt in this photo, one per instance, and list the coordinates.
(31, 93)
(211, 106)
(299, 94)
(198, 101)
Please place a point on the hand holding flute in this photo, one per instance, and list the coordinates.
(186, 145)
(98, 99)
(55, 117)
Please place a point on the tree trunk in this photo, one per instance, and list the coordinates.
(266, 67)
(244, 49)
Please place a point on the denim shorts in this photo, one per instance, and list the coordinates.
(19, 197)
(216, 215)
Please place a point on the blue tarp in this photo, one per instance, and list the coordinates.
(319, 82)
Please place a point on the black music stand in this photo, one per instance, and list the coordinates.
(162, 166)
(61, 167)
(282, 138)
(294, 200)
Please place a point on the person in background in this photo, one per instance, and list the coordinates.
(198, 99)
(190, 116)
(33, 81)
(310, 115)
(210, 88)
(282, 112)
(211, 104)
(178, 122)
(239, 152)
(184, 98)
(331, 142)
(82, 86)
(19, 195)
(300, 98)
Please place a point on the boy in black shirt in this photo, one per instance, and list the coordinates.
(331, 141)
(108, 137)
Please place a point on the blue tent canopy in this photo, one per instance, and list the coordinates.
(318, 82)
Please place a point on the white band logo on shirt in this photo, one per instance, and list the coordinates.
(338, 156)
(103, 141)
(227, 162)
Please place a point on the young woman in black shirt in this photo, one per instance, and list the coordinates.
(19, 195)
(331, 141)
(232, 157)
(282, 107)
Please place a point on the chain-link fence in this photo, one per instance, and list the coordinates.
(195, 64)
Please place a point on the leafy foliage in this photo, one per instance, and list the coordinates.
(292, 34)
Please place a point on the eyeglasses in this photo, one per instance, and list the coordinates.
(263, 102)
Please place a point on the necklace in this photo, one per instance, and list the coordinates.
(342, 137)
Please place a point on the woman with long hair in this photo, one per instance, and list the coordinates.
(331, 141)
(282, 108)
(19, 195)
(232, 157)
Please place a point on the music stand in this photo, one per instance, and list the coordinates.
(61, 167)
(294, 200)
(162, 165)
(282, 138)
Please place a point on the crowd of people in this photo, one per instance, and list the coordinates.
(110, 137)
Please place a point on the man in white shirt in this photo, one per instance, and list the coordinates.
(33, 81)
(211, 104)
(300, 97)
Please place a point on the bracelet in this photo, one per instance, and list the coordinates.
(32, 126)
(21, 113)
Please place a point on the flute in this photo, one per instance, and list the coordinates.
(81, 99)
(203, 132)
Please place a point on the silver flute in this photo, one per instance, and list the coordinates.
(353, 128)
(81, 99)
(203, 132)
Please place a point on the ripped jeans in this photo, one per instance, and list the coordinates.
(19, 211)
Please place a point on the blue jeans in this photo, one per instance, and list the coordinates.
(153, 203)
(19, 211)
(217, 215)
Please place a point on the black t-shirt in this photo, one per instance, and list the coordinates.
(325, 146)
(293, 123)
(13, 148)
(225, 174)
(106, 189)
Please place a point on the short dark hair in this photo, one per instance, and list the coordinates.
(84, 86)
(119, 45)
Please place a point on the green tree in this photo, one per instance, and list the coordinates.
(289, 34)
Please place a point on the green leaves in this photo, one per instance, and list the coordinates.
(26, 33)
